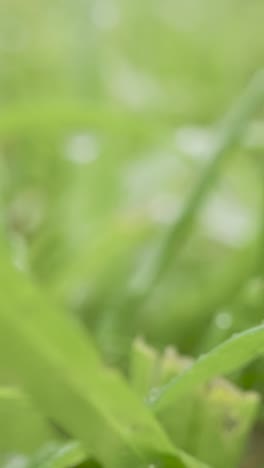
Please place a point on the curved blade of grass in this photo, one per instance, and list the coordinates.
(228, 134)
(201, 302)
(222, 360)
(58, 365)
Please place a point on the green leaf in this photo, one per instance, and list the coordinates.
(57, 363)
(226, 358)
(225, 417)
(144, 367)
(229, 133)
(59, 456)
(23, 429)
(52, 455)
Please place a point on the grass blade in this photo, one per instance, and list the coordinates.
(92, 404)
(224, 359)
(229, 133)
(23, 429)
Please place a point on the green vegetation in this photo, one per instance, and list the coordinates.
(131, 234)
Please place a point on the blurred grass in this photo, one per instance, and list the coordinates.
(93, 164)
(106, 119)
(90, 69)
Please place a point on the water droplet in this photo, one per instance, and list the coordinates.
(83, 148)
(224, 320)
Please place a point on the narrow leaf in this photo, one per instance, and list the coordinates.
(92, 404)
(226, 358)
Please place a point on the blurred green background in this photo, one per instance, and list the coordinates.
(107, 118)
(109, 112)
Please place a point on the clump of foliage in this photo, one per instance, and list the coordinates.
(126, 213)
